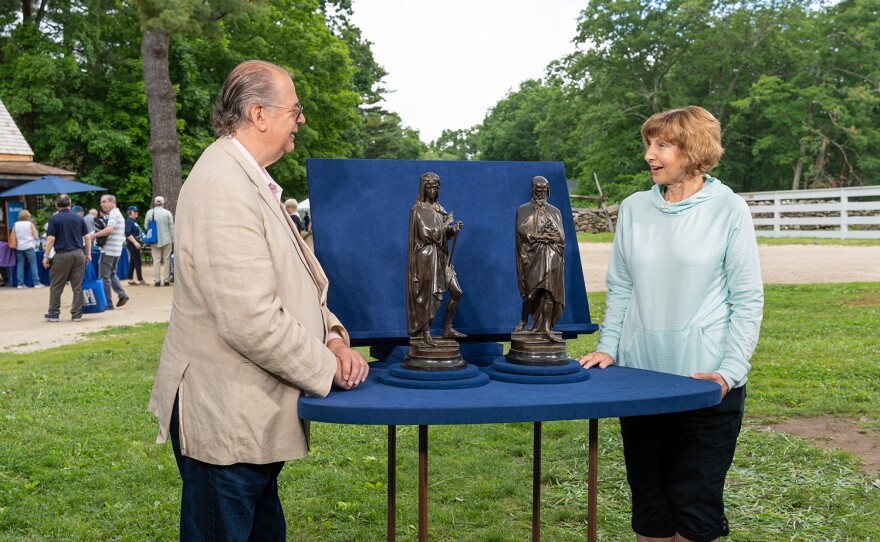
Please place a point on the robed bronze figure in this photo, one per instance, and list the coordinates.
(433, 233)
(540, 271)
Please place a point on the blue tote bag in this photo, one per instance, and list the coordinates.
(94, 299)
(152, 236)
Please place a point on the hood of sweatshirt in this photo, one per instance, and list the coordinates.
(712, 188)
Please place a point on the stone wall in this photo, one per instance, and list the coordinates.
(593, 220)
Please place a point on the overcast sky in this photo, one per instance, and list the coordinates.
(449, 61)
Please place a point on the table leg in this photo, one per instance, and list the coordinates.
(536, 485)
(392, 483)
(593, 483)
(423, 483)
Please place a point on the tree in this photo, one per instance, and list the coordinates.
(509, 130)
(160, 19)
(388, 138)
(455, 145)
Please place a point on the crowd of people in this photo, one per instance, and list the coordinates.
(70, 234)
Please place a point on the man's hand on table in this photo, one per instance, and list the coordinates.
(351, 367)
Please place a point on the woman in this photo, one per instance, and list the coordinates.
(134, 239)
(27, 239)
(684, 297)
(291, 205)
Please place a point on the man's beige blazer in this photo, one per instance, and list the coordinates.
(249, 319)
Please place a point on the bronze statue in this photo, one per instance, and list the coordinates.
(429, 273)
(540, 261)
(540, 267)
(429, 270)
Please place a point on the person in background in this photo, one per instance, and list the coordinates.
(291, 205)
(112, 251)
(307, 221)
(27, 240)
(66, 233)
(161, 249)
(685, 296)
(133, 239)
(81, 212)
(250, 330)
(89, 217)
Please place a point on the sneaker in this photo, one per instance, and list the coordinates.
(157, 283)
(166, 283)
(22, 286)
(76, 318)
(122, 301)
(47, 317)
(142, 283)
(39, 285)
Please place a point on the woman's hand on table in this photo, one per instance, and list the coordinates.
(593, 359)
(714, 377)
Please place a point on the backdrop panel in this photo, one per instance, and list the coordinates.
(360, 211)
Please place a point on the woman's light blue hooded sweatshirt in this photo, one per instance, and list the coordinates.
(684, 285)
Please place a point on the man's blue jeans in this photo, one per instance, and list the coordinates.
(31, 256)
(227, 502)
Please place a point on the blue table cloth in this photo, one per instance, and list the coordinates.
(611, 392)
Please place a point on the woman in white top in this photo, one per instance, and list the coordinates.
(26, 242)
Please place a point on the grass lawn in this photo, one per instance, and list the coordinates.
(78, 459)
(584, 237)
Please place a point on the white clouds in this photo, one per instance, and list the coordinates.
(449, 61)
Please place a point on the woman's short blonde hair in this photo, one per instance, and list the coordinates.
(693, 130)
(291, 203)
(24, 214)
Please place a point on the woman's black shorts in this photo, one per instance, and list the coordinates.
(676, 465)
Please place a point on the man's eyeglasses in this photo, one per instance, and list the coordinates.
(297, 109)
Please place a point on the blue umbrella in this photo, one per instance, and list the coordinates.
(50, 184)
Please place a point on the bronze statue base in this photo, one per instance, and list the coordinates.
(445, 356)
(534, 348)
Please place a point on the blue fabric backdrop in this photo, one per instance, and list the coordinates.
(360, 211)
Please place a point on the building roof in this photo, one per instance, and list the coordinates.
(11, 140)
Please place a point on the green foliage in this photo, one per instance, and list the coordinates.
(796, 86)
(75, 82)
(386, 137)
(455, 145)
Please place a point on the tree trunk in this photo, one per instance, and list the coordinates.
(164, 145)
(799, 168)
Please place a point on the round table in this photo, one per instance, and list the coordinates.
(609, 393)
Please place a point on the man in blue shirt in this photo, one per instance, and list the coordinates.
(66, 233)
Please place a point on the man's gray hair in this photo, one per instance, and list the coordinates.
(63, 201)
(250, 83)
(110, 197)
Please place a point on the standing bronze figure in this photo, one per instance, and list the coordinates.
(429, 273)
(540, 267)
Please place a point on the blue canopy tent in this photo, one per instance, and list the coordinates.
(49, 184)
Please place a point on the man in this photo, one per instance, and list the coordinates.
(429, 271)
(540, 247)
(114, 231)
(133, 239)
(161, 249)
(66, 233)
(249, 329)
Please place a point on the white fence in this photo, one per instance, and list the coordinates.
(838, 213)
